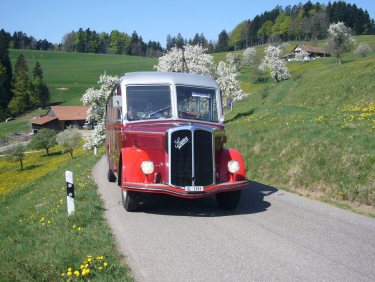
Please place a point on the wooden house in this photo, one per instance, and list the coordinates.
(59, 117)
(315, 52)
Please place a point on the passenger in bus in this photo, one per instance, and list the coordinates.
(132, 114)
(149, 109)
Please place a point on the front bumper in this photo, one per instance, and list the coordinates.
(180, 192)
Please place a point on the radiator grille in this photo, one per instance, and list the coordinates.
(191, 167)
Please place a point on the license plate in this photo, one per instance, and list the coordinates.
(193, 188)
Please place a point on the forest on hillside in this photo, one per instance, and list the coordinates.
(299, 22)
(306, 22)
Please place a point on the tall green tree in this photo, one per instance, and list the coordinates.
(21, 87)
(222, 45)
(80, 41)
(7, 72)
(115, 42)
(40, 95)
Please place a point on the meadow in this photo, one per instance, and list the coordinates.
(38, 240)
(68, 75)
(314, 133)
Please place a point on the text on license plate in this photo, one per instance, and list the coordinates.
(193, 188)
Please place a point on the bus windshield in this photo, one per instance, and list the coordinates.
(197, 103)
(148, 102)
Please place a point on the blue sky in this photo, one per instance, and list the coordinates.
(153, 20)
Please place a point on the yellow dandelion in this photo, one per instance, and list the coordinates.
(105, 264)
(76, 273)
(69, 269)
(69, 273)
(74, 226)
(100, 268)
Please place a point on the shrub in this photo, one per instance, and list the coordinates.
(363, 49)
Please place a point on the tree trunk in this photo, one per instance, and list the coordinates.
(71, 155)
(47, 152)
(21, 165)
(338, 60)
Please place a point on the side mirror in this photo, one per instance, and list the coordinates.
(117, 101)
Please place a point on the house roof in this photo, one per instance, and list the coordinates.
(70, 112)
(309, 49)
(43, 120)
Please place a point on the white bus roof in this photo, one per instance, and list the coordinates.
(172, 78)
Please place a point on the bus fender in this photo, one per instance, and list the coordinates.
(223, 157)
(132, 159)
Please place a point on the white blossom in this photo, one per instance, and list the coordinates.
(340, 39)
(363, 49)
(249, 56)
(302, 56)
(226, 78)
(98, 100)
(199, 62)
(275, 64)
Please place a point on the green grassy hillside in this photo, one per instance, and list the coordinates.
(313, 133)
(68, 75)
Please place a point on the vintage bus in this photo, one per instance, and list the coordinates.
(165, 134)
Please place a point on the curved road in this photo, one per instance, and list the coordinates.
(272, 236)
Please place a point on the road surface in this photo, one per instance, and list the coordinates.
(272, 236)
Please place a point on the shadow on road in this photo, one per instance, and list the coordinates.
(252, 201)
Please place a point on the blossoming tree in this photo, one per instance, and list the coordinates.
(98, 100)
(199, 62)
(275, 64)
(249, 56)
(340, 39)
(301, 56)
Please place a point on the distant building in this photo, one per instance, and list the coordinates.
(59, 117)
(287, 57)
(315, 52)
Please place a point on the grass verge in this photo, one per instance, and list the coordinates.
(39, 242)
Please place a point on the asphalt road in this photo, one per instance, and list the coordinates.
(272, 236)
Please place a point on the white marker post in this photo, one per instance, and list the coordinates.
(95, 146)
(70, 192)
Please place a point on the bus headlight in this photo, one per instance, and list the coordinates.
(233, 166)
(147, 167)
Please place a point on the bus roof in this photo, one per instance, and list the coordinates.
(171, 78)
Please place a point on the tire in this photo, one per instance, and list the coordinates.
(228, 200)
(130, 200)
(110, 175)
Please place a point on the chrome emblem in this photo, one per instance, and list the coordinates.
(179, 143)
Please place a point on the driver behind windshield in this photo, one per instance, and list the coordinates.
(132, 114)
(151, 112)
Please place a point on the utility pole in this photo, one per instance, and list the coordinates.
(184, 62)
